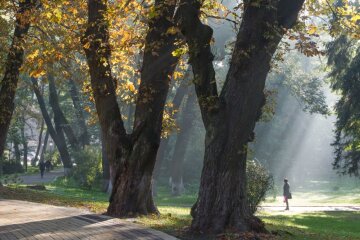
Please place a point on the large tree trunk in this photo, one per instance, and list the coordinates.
(182, 140)
(132, 157)
(230, 118)
(61, 123)
(107, 182)
(58, 137)
(45, 144)
(38, 148)
(24, 142)
(84, 138)
(17, 151)
(13, 64)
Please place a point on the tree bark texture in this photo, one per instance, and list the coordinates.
(58, 137)
(84, 138)
(34, 160)
(17, 151)
(131, 157)
(230, 117)
(45, 144)
(60, 121)
(13, 63)
(24, 142)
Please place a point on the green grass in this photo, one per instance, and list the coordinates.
(175, 211)
(316, 225)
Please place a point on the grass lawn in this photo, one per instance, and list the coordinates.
(316, 225)
(175, 213)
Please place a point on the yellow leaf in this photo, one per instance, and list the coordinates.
(130, 86)
(37, 73)
(87, 45)
(312, 29)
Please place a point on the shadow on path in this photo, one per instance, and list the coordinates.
(40, 221)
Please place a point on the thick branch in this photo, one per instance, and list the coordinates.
(58, 137)
(198, 37)
(59, 117)
(97, 49)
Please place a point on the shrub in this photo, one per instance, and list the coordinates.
(11, 179)
(12, 167)
(88, 167)
(259, 181)
(53, 157)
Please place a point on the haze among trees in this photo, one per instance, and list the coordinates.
(132, 97)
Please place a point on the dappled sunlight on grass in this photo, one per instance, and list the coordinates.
(324, 225)
(175, 210)
(319, 198)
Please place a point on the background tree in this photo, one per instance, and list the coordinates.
(13, 63)
(344, 60)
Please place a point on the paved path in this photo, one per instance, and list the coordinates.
(299, 209)
(34, 221)
(48, 177)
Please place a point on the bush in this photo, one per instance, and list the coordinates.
(11, 179)
(53, 157)
(12, 167)
(88, 167)
(259, 181)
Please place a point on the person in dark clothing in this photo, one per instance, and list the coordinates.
(286, 193)
(48, 165)
(42, 168)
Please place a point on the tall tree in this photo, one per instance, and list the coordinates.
(132, 157)
(57, 135)
(24, 141)
(45, 144)
(344, 60)
(84, 138)
(61, 123)
(40, 140)
(229, 117)
(14, 62)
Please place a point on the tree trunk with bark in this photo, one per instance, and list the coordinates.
(107, 182)
(131, 157)
(61, 123)
(13, 63)
(38, 148)
(24, 143)
(17, 152)
(57, 136)
(45, 144)
(230, 117)
(84, 138)
(182, 140)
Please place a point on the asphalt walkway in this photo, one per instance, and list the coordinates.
(48, 177)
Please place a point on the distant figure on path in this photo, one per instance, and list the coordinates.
(48, 166)
(286, 193)
(42, 168)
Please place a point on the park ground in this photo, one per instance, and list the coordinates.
(311, 217)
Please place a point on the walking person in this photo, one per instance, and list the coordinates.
(286, 193)
(42, 168)
(48, 166)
